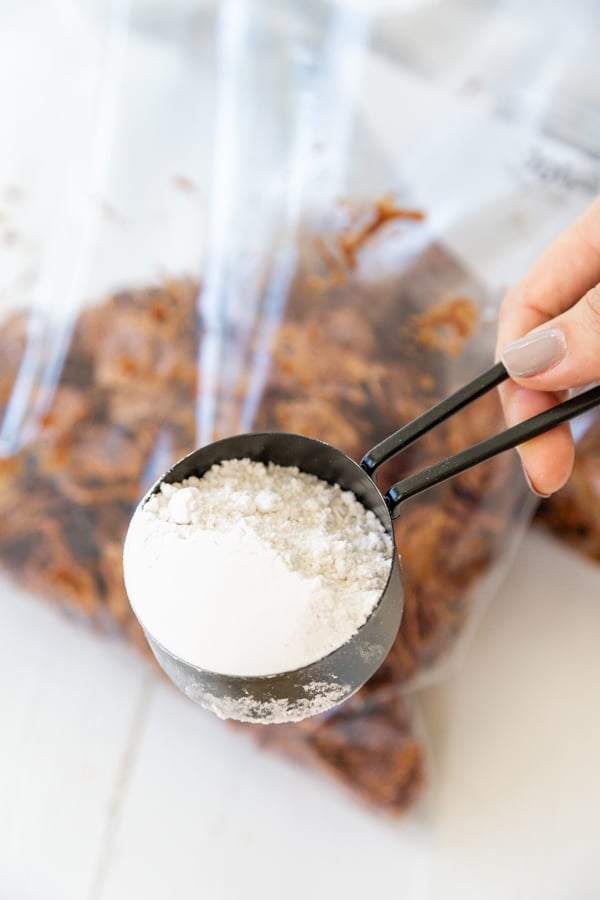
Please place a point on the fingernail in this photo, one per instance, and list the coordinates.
(535, 352)
(531, 487)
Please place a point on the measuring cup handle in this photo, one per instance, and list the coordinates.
(409, 433)
(484, 450)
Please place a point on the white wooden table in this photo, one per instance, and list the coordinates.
(115, 787)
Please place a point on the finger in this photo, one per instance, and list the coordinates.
(548, 459)
(563, 353)
(566, 271)
(563, 274)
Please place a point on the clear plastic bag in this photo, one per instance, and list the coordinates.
(274, 216)
(573, 513)
(100, 333)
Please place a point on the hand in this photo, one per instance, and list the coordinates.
(549, 341)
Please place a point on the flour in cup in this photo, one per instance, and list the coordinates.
(254, 569)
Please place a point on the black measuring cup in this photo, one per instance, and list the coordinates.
(293, 695)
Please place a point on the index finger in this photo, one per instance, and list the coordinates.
(565, 271)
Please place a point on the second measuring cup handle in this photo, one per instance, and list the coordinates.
(485, 450)
(480, 452)
(432, 417)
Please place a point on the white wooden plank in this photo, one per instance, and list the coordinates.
(517, 738)
(210, 815)
(68, 700)
(113, 787)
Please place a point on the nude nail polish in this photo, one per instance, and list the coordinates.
(534, 353)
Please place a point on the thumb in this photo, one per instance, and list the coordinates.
(561, 354)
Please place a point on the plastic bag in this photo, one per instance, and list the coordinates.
(277, 217)
(573, 513)
(100, 332)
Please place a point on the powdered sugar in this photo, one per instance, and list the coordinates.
(253, 570)
(320, 697)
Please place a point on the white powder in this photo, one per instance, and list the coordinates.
(320, 697)
(254, 569)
